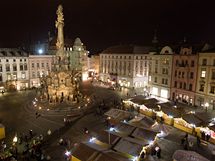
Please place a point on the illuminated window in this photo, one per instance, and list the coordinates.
(23, 76)
(203, 74)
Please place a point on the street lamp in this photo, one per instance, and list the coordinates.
(206, 106)
(110, 130)
(15, 139)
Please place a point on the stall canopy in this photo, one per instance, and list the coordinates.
(192, 119)
(140, 100)
(171, 111)
(144, 134)
(117, 114)
(206, 116)
(184, 155)
(143, 121)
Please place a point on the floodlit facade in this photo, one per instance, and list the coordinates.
(39, 66)
(160, 70)
(13, 69)
(205, 89)
(79, 59)
(184, 75)
(126, 66)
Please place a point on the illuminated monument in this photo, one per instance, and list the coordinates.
(62, 84)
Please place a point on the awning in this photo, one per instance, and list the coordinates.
(184, 155)
(192, 119)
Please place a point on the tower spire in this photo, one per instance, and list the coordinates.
(155, 40)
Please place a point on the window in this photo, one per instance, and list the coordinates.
(23, 76)
(191, 75)
(47, 65)
(20, 60)
(184, 85)
(213, 74)
(156, 61)
(182, 75)
(156, 70)
(175, 85)
(190, 87)
(7, 60)
(42, 65)
(14, 60)
(0, 78)
(203, 73)
(212, 89)
(25, 67)
(7, 67)
(214, 62)
(186, 63)
(176, 73)
(179, 74)
(180, 84)
(192, 63)
(38, 74)
(14, 67)
(155, 80)
(38, 65)
(33, 75)
(202, 86)
(176, 63)
(204, 62)
(21, 67)
(0, 68)
(24, 59)
(136, 57)
(32, 65)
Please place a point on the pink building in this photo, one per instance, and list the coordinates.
(39, 65)
(184, 74)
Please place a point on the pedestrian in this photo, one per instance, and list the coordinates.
(198, 141)
(31, 133)
(182, 141)
(207, 136)
(159, 153)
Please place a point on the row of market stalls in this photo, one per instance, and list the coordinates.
(129, 138)
(197, 123)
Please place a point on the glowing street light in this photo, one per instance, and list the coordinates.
(206, 106)
(92, 139)
(67, 153)
(40, 51)
(15, 139)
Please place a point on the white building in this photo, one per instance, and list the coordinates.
(205, 85)
(79, 59)
(13, 69)
(160, 71)
(126, 66)
(39, 65)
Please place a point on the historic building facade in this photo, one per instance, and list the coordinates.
(39, 66)
(160, 72)
(184, 74)
(205, 88)
(79, 59)
(13, 69)
(126, 66)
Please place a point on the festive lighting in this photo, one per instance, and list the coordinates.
(92, 139)
(67, 153)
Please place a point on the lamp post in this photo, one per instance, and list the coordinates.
(110, 130)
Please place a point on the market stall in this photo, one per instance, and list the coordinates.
(188, 123)
(2, 131)
(184, 155)
(115, 116)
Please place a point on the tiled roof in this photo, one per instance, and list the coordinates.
(12, 52)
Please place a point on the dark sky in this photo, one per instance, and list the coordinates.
(102, 23)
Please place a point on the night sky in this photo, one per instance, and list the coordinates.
(102, 23)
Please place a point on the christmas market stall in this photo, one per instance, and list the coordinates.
(114, 116)
(184, 155)
(188, 122)
(167, 113)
